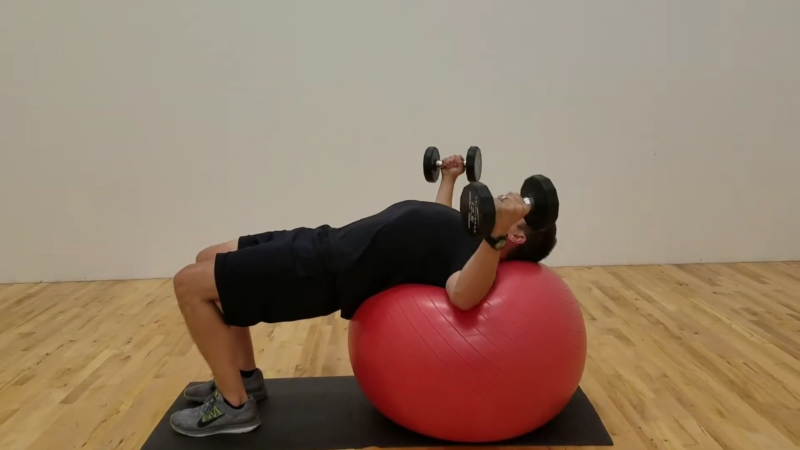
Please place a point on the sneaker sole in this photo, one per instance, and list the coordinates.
(232, 429)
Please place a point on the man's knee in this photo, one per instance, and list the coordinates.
(208, 254)
(195, 283)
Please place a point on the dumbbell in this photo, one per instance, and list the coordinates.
(432, 164)
(479, 213)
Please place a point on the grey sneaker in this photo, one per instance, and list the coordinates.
(253, 385)
(214, 416)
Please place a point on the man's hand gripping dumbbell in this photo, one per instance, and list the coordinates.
(492, 218)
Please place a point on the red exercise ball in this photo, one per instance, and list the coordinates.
(500, 370)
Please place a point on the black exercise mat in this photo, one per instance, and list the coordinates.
(332, 413)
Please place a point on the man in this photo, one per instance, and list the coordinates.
(305, 273)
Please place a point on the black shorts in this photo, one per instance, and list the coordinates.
(278, 276)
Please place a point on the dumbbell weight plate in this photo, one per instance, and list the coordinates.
(544, 211)
(474, 163)
(477, 209)
(429, 164)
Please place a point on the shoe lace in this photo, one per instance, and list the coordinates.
(208, 405)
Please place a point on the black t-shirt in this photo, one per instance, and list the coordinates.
(409, 242)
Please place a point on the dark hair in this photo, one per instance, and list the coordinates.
(537, 246)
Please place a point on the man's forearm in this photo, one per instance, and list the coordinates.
(476, 278)
(445, 193)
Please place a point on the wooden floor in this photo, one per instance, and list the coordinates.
(680, 357)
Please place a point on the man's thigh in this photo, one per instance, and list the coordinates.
(209, 253)
(277, 280)
(250, 240)
(196, 282)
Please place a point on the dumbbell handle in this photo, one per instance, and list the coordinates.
(439, 163)
(528, 201)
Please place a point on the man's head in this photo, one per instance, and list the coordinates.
(527, 244)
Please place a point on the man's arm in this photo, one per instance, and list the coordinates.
(467, 287)
(445, 193)
(452, 168)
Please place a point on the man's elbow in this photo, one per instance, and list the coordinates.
(464, 295)
(465, 302)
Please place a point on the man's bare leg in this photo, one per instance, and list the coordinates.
(196, 292)
(252, 378)
(244, 341)
(229, 409)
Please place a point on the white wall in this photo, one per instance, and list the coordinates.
(135, 133)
